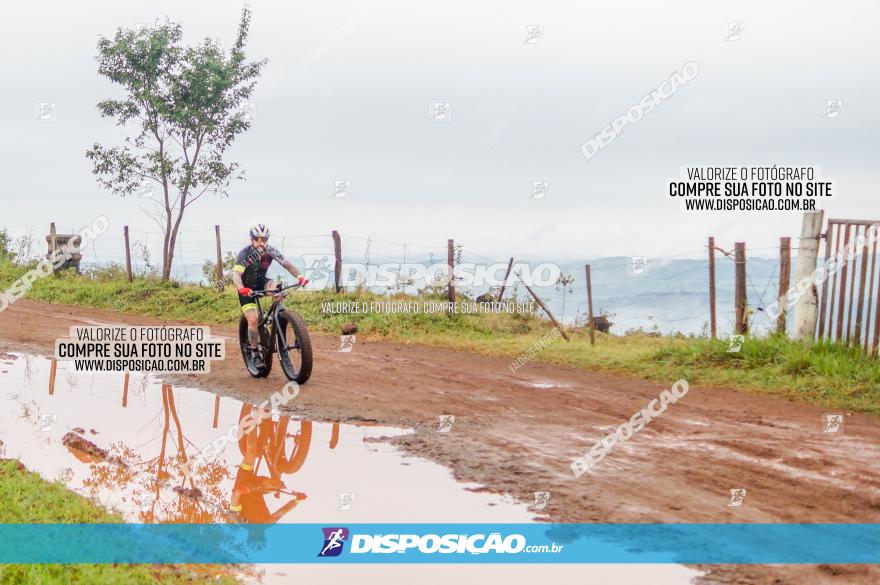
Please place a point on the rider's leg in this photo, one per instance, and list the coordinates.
(252, 319)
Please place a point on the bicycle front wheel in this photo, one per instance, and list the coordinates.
(294, 346)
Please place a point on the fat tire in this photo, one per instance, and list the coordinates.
(302, 375)
(244, 344)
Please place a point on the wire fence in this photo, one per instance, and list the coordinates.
(664, 293)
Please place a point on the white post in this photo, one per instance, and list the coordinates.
(806, 309)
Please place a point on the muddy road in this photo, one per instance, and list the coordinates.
(518, 434)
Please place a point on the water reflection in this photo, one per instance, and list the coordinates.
(141, 447)
(166, 487)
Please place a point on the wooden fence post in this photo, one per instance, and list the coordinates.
(450, 261)
(590, 307)
(784, 282)
(337, 266)
(219, 259)
(713, 323)
(852, 284)
(127, 253)
(506, 276)
(52, 371)
(125, 391)
(875, 342)
(543, 306)
(216, 410)
(870, 297)
(740, 297)
(841, 301)
(863, 275)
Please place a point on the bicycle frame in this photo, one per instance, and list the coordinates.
(269, 316)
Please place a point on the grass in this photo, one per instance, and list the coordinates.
(826, 374)
(27, 498)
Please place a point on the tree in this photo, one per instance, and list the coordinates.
(186, 105)
(209, 271)
(6, 253)
(565, 281)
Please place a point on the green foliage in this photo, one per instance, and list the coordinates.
(27, 498)
(827, 373)
(6, 252)
(209, 270)
(112, 271)
(185, 103)
(20, 250)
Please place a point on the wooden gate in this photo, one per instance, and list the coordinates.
(847, 309)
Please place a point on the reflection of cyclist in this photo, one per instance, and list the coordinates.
(249, 274)
(250, 489)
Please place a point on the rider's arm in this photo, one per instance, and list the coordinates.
(238, 268)
(278, 514)
(236, 279)
(288, 265)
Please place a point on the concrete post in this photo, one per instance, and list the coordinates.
(806, 309)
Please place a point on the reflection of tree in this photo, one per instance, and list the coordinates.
(29, 368)
(170, 488)
(152, 482)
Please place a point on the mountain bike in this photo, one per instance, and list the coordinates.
(281, 331)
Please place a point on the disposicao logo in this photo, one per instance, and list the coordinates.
(416, 544)
(334, 541)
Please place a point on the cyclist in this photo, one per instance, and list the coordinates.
(250, 490)
(249, 274)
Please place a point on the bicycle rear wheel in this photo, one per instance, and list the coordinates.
(252, 369)
(294, 346)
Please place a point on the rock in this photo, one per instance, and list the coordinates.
(18, 464)
(194, 493)
(83, 449)
(79, 430)
(602, 324)
(349, 328)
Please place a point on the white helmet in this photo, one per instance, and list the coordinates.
(259, 230)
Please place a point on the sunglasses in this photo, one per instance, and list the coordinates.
(261, 239)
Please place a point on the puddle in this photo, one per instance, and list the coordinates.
(123, 448)
(542, 384)
(121, 440)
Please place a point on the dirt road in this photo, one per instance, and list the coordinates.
(518, 434)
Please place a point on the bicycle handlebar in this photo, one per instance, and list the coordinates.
(278, 289)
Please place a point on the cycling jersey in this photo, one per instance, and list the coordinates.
(253, 264)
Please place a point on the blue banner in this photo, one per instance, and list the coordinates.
(441, 543)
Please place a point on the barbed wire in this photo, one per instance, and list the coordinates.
(196, 247)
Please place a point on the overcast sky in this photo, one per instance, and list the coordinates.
(347, 94)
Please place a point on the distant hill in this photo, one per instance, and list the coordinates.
(670, 294)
